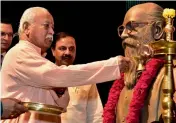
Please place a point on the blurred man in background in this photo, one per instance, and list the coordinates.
(6, 36)
(85, 104)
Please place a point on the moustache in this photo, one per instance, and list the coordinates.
(3, 41)
(130, 43)
(68, 57)
(50, 37)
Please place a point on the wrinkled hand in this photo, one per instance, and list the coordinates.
(12, 108)
(124, 63)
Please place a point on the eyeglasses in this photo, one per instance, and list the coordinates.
(131, 26)
(3, 34)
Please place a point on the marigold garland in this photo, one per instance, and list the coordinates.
(140, 92)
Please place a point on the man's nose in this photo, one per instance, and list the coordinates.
(67, 51)
(125, 33)
(51, 31)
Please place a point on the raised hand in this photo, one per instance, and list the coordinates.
(124, 63)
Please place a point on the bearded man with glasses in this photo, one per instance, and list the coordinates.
(136, 98)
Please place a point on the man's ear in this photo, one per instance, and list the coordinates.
(158, 30)
(26, 28)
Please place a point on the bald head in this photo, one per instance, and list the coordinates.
(148, 7)
(145, 11)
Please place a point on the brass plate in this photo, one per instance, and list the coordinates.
(44, 108)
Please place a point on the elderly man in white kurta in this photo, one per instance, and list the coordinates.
(29, 77)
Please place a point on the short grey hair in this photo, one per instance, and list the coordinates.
(28, 16)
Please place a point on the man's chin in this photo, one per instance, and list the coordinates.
(44, 49)
(66, 63)
(48, 43)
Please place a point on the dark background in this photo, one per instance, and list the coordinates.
(92, 23)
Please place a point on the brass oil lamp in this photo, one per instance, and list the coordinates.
(167, 48)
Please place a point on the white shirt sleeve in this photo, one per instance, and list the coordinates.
(34, 70)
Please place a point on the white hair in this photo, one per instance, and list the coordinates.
(28, 16)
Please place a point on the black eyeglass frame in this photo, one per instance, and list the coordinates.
(131, 26)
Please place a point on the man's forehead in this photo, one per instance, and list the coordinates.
(136, 14)
(48, 21)
(45, 17)
(5, 24)
(66, 41)
(6, 27)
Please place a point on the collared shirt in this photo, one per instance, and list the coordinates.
(85, 105)
(3, 53)
(29, 77)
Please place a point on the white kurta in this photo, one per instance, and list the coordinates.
(85, 105)
(29, 77)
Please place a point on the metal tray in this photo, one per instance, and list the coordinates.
(44, 108)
